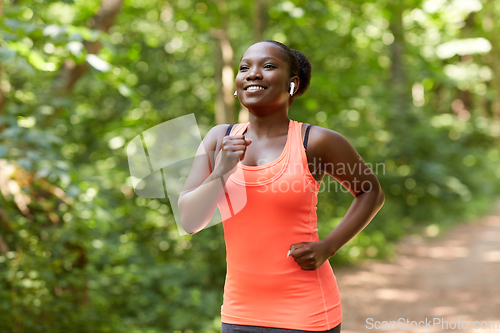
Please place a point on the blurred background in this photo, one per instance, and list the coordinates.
(413, 85)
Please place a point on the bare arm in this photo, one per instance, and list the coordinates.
(342, 162)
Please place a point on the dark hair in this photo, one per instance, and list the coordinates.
(298, 64)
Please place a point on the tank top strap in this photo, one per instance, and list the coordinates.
(296, 143)
(299, 156)
(238, 129)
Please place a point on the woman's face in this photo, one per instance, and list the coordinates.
(263, 77)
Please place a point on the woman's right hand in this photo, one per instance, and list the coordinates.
(233, 150)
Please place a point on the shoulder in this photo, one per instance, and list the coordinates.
(323, 141)
(320, 136)
(216, 133)
(323, 134)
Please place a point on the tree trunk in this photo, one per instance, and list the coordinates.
(260, 20)
(260, 23)
(2, 96)
(224, 76)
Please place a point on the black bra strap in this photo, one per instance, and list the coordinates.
(229, 129)
(306, 136)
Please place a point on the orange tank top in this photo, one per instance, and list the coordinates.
(265, 209)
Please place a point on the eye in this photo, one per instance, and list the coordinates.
(243, 67)
(269, 66)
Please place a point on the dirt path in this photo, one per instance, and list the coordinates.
(452, 278)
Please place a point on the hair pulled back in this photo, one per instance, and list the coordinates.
(298, 65)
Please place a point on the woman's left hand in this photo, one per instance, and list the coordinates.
(309, 255)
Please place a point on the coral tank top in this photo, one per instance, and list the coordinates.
(265, 209)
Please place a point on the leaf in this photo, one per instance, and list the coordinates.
(98, 63)
(21, 48)
(29, 28)
(84, 33)
(25, 163)
(14, 24)
(76, 48)
(6, 54)
(43, 172)
(53, 30)
(36, 60)
(124, 90)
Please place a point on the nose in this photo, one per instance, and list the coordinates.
(254, 73)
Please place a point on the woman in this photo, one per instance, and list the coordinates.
(279, 163)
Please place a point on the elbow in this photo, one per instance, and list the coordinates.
(380, 197)
(187, 227)
(190, 232)
(188, 223)
(376, 195)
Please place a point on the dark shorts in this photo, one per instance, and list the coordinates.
(232, 328)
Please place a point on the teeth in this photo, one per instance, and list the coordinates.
(255, 88)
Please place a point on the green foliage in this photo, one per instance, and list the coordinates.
(88, 255)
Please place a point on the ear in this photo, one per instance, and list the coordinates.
(295, 79)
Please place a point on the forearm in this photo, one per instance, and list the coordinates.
(196, 207)
(362, 210)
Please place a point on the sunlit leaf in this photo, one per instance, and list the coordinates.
(76, 48)
(98, 63)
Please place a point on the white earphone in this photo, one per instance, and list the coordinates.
(292, 87)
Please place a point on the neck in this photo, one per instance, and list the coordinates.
(270, 125)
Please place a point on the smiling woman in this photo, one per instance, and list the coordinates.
(278, 164)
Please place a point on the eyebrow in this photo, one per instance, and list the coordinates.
(263, 58)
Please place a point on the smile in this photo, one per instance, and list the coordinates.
(254, 88)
